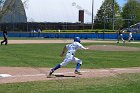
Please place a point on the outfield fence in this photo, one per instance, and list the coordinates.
(136, 36)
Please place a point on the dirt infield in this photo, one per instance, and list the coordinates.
(59, 41)
(112, 48)
(25, 74)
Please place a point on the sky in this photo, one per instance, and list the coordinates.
(61, 10)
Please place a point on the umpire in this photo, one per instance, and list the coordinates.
(5, 34)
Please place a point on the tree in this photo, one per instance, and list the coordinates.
(131, 10)
(104, 17)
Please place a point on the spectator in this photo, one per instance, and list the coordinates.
(39, 31)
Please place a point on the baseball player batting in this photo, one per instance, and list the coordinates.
(71, 49)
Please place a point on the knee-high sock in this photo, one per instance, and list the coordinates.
(57, 67)
(78, 67)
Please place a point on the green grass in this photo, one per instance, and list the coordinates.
(47, 55)
(125, 83)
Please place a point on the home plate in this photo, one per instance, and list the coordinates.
(5, 75)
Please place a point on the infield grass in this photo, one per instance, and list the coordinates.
(125, 83)
(47, 55)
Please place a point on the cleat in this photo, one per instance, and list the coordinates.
(78, 73)
(51, 76)
(50, 73)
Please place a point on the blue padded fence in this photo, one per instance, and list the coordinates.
(136, 36)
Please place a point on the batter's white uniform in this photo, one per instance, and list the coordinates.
(71, 52)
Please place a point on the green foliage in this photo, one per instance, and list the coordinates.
(131, 10)
(125, 83)
(105, 14)
(78, 31)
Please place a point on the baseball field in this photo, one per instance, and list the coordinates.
(107, 67)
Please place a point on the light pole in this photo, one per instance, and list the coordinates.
(113, 13)
(92, 12)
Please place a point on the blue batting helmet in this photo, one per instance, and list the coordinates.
(77, 39)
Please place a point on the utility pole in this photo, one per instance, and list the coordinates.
(113, 13)
(92, 13)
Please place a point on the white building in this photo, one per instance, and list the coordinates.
(13, 12)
